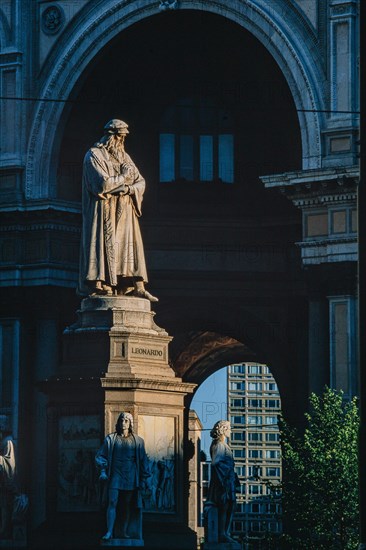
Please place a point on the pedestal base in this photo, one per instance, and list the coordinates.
(221, 546)
(19, 539)
(117, 342)
(121, 543)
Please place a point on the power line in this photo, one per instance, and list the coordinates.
(76, 101)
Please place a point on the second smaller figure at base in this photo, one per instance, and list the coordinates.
(123, 465)
(224, 482)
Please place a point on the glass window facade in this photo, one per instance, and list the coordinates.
(257, 455)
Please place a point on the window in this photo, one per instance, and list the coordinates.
(237, 403)
(254, 386)
(273, 508)
(239, 453)
(256, 526)
(254, 369)
(255, 489)
(255, 453)
(272, 403)
(238, 526)
(254, 471)
(254, 436)
(238, 369)
(237, 386)
(206, 468)
(240, 470)
(241, 489)
(272, 454)
(255, 403)
(238, 419)
(272, 437)
(254, 419)
(238, 436)
(273, 472)
(271, 386)
(196, 143)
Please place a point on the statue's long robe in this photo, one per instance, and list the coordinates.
(7, 482)
(223, 481)
(7, 463)
(111, 243)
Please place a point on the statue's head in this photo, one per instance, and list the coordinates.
(116, 127)
(115, 132)
(123, 418)
(222, 427)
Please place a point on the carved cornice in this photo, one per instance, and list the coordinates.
(316, 186)
(40, 227)
(175, 385)
(326, 242)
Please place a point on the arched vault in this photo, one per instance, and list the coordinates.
(99, 23)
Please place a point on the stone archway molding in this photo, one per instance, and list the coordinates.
(5, 32)
(109, 18)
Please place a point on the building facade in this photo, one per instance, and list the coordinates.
(253, 407)
(249, 148)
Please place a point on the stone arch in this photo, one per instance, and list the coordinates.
(77, 50)
(214, 335)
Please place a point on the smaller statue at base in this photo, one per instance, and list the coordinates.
(13, 504)
(123, 466)
(221, 497)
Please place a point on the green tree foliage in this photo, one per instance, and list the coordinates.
(320, 486)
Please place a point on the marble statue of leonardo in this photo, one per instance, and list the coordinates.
(112, 259)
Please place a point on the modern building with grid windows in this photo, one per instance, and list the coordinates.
(253, 407)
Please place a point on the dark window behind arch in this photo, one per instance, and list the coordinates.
(196, 143)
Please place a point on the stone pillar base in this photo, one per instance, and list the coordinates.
(221, 546)
(121, 543)
(116, 341)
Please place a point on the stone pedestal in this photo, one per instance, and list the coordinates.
(117, 340)
(212, 532)
(18, 540)
(122, 543)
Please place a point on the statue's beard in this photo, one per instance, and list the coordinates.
(115, 146)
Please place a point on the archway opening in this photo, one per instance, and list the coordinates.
(245, 394)
(189, 56)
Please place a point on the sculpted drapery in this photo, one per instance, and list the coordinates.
(112, 254)
(224, 482)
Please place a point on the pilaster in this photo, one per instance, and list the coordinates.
(341, 134)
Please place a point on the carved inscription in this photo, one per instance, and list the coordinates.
(146, 352)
